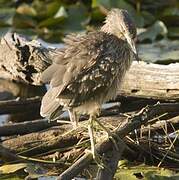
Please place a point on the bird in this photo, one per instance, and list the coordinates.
(89, 70)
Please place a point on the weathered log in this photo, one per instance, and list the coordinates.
(38, 125)
(22, 60)
(26, 127)
(11, 90)
(152, 81)
(6, 155)
(48, 141)
(20, 100)
(19, 105)
(44, 141)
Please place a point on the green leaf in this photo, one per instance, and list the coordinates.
(53, 8)
(148, 18)
(55, 20)
(61, 12)
(139, 20)
(122, 4)
(50, 22)
(11, 177)
(77, 18)
(97, 3)
(171, 11)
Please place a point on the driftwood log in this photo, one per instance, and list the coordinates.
(152, 81)
(22, 60)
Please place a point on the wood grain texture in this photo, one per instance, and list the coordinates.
(152, 81)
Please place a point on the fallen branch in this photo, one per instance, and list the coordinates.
(61, 136)
(158, 126)
(26, 127)
(111, 159)
(6, 155)
(48, 139)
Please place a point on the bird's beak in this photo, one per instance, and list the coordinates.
(133, 47)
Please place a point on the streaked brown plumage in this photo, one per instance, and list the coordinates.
(88, 71)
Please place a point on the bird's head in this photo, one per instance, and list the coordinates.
(119, 23)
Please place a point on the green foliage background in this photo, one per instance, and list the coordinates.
(52, 19)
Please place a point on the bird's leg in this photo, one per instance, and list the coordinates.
(73, 118)
(96, 156)
(110, 134)
(91, 135)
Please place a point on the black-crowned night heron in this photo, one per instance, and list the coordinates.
(88, 71)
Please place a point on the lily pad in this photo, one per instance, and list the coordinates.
(145, 173)
(11, 168)
(26, 9)
(33, 170)
(55, 20)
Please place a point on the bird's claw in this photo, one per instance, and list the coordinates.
(96, 158)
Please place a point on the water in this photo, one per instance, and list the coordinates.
(3, 119)
(50, 45)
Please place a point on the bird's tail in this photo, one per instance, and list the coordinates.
(56, 114)
(50, 107)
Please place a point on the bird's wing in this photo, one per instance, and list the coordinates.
(88, 69)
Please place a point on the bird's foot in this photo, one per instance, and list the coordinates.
(112, 136)
(97, 158)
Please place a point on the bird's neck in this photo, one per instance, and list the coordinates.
(108, 28)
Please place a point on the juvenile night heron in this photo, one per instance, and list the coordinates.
(88, 71)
